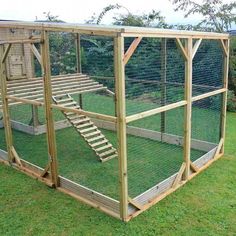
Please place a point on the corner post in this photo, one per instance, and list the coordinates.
(121, 123)
(51, 139)
(224, 99)
(5, 107)
(188, 107)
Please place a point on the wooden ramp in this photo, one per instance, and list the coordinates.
(86, 128)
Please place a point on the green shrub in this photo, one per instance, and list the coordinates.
(231, 102)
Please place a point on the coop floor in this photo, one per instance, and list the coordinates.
(78, 162)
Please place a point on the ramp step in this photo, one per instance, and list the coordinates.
(76, 122)
(91, 134)
(96, 138)
(89, 123)
(99, 143)
(87, 130)
(113, 150)
(103, 147)
(69, 104)
(63, 100)
(108, 158)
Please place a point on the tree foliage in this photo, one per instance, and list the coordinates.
(216, 15)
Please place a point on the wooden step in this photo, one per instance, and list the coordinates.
(69, 113)
(76, 122)
(98, 143)
(68, 104)
(96, 138)
(108, 158)
(103, 147)
(91, 134)
(107, 152)
(87, 130)
(89, 123)
(63, 100)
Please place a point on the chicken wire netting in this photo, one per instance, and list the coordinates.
(207, 67)
(153, 156)
(84, 140)
(206, 122)
(154, 75)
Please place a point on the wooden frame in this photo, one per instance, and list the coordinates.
(126, 208)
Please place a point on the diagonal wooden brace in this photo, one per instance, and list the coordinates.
(46, 169)
(182, 49)
(16, 156)
(131, 49)
(179, 175)
(134, 203)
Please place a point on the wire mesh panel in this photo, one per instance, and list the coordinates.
(154, 156)
(62, 53)
(79, 160)
(154, 74)
(208, 67)
(97, 62)
(206, 123)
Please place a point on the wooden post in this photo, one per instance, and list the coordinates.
(35, 116)
(52, 151)
(188, 107)
(5, 108)
(78, 63)
(163, 83)
(224, 99)
(121, 123)
(78, 53)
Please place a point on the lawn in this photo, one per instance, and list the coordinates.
(205, 206)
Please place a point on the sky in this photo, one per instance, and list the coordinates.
(77, 11)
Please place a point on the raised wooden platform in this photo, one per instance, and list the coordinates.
(61, 85)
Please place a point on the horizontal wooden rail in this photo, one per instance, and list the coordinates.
(21, 41)
(67, 109)
(171, 106)
(205, 95)
(154, 111)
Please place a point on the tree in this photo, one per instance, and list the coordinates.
(151, 19)
(217, 16)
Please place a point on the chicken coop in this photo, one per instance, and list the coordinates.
(116, 117)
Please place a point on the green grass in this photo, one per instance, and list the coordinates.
(205, 206)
